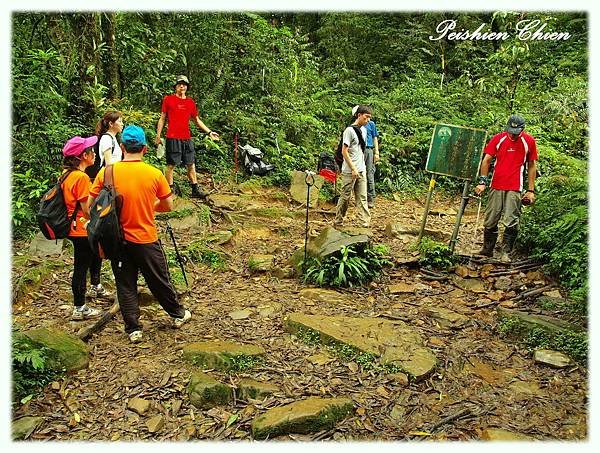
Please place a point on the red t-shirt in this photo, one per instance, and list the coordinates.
(140, 185)
(510, 159)
(76, 187)
(179, 112)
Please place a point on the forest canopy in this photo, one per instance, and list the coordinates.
(286, 83)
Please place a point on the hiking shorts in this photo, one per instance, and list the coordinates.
(180, 151)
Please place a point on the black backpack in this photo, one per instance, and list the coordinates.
(339, 158)
(253, 163)
(93, 170)
(326, 161)
(52, 215)
(105, 233)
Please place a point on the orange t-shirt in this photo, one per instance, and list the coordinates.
(141, 185)
(76, 187)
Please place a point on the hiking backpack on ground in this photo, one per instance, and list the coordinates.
(327, 161)
(105, 233)
(253, 163)
(52, 215)
(93, 170)
(339, 157)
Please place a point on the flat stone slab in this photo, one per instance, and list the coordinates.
(68, 351)
(249, 388)
(219, 355)
(398, 230)
(138, 405)
(230, 202)
(394, 342)
(219, 237)
(554, 359)
(24, 426)
(40, 246)
(503, 435)
(303, 417)
(545, 322)
(322, 295)
(447, 318)
(470, 284)
(205, 391)
(260, 263)
(299, 189)
(401, 288)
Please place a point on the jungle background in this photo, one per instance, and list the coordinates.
(286, 83)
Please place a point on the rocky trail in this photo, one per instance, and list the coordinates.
(267, 356)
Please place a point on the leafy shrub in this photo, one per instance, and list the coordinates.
(555, 229)
(435, 254)
(575, 344)
(352, 266)
(29, 371)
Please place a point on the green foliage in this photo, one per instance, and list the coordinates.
(244, 362)
(308, 336)
(574, 344)
(555, 229)
(435, 254)
(285, 83)
(29, 368)
(199, 252)
(352, 266)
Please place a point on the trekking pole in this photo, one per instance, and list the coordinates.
(235, 155)
(310, 181)
(179, 260)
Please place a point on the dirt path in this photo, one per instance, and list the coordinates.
(481, 381)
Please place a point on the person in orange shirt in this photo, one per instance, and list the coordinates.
(144, 190)
(78, 154)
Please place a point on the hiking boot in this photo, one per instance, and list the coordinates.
(198, 193)
(178, 322)
(136, 336)
(508, 242)
(489, 241)
(98, 291)
(84, 312)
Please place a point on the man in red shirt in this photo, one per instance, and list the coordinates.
(513, 149)
(178, 109)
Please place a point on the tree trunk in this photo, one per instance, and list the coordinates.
(87, 36)
(111, 66)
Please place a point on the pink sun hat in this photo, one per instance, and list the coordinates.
(77, 145)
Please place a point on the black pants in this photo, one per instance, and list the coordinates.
(84, 259)
(150, 260)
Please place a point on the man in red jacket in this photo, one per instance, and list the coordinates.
(178, 109)
(513, 149)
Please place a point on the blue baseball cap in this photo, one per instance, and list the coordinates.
(133, 136)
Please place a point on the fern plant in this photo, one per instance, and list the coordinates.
(351, 266)
(29, 368)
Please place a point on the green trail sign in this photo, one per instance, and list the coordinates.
(455, 151)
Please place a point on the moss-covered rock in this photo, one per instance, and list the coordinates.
(395, 343)
(66, 351)
(205, 392)
(24, 426)
(223, 355)
(306, 416)
(249, 388)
